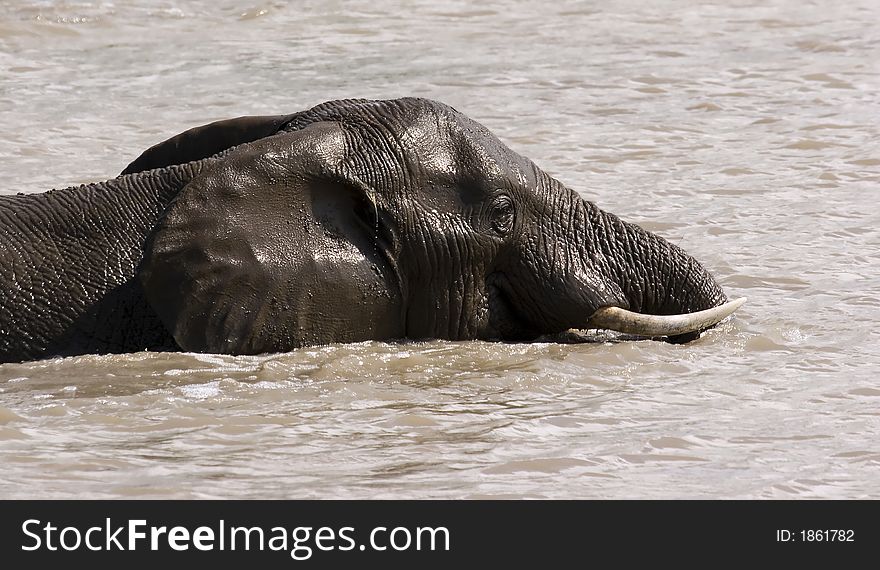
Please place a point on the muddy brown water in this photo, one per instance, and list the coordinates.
(746, 132)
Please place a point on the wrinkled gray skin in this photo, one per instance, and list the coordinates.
(353, 220)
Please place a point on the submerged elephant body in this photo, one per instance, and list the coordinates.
(354, 220)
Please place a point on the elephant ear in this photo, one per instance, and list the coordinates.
(270, 249)
(201, 142)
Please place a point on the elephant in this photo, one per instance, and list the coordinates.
(354, 220)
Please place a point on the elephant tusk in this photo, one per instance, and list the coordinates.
(621, 320)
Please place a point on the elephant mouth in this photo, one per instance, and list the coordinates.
(510, 323)
(505, 321)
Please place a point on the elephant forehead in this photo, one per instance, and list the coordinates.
(454, 151)
(482, 155)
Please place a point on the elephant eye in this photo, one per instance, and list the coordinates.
(502, 213)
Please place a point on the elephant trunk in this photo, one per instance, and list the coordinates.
(666, 291)
(655, 276)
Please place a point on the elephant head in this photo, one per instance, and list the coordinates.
(363, 219)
